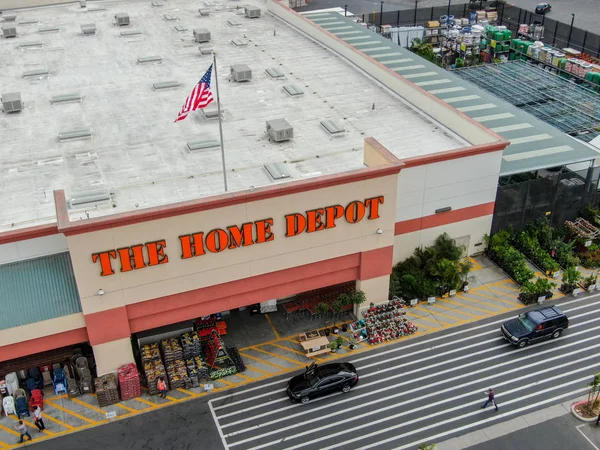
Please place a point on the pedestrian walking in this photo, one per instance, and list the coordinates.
(162, 387)
(22, 428)
(39, 420)
(490, 394)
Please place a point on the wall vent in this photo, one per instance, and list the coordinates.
(239, 42)
(149, 59)
(9, 30)
(156, 4)
(180, 28)
(122, 19)
(11, 102)
(86, 197)
(275, 72)
(48, 29)
(31, 44)
(166, 85)
(130, 33)
(169, 17)
(279, 130)
(277, 171)
(203, 145)
(251, 12)
(205, 49)
(35, 73)
(201, 35)
(234, 23)
(9, 16)
(88, 28)
(212, 112)
(204, 12)
(332, 127)
(241, 72)
(293, 90)
(78, 133)
(65, 98)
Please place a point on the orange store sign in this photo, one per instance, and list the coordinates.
(231, 237)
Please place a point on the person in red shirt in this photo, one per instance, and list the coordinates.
(162, 387)
(490, 399)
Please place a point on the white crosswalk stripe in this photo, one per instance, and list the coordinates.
(425, 389)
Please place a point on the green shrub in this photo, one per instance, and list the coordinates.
(530, 292)
(509, 258)
(530, 246)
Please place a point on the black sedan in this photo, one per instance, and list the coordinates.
(543, 8)
(322, 380)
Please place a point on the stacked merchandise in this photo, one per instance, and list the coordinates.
(177, 374)
(129, 381)
(171, 350)
(153, 367)
(387, 322)
(196, 370)
(85, 376)
(72, 388)
(358, 330)
(107, 390)
(190, 342)
(236, 358)
(204, 326)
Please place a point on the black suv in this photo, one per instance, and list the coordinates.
(535, 325)
(321, 380)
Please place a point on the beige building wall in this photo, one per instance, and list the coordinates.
(41, 329)
(111, 355)
(376, 290)
(180, 275)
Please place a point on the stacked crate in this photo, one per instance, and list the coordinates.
(107, 390)
(153, 367)
(190, 342)
(129, 381)
(171, 350)
(177, 373)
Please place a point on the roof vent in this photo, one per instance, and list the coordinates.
(92, 196)
(277, 171)
(166, 85)
(204, 12)
(212, 112)
(279, 130)
(9, 30)
(78, 133)
(31, 44)
(88, 28)
(203, 145)
(275, 73)
(35, 73)
(96, 9)
(205, 49)
(9, 16)
(82, 3)
(28, 22)
(180, 28)
(11, 102)
(293, 90)
(239, 42)
(233, 23)
(65, 98)
(169, 17)
(332, 127)
(201, 35)
(241, 72)
(48, 29)
(149, 59)
(156, 4)
(130, 33)
(122, 19)
(251, 12)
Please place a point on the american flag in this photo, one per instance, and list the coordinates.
(200, 97)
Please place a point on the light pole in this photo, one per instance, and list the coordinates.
(415, 20)
(381, 16)
(345, 10)
(571, 29)
(448, 16)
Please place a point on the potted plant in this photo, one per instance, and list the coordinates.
(589, 283)
(322, 310)
(333, 345)
(531, 292)
(335, 329)
(352, 343)
(570, 280)
(340, 341)
(344, 327)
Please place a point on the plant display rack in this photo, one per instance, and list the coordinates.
(387, 322)
(358, 330)
(219, 359)
(583, 229)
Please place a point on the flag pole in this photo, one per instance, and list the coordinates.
(220, 124)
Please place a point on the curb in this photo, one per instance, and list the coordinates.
(579, 416)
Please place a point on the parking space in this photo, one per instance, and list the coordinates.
(268, 345)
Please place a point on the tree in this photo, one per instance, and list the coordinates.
(322, 310)
(593, 394)
(395, 288)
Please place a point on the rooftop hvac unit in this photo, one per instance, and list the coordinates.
(169, 17)
(274, 72)
(88, 28)
(212, 111)
(91, 196)
(12, 102)
(201, 35)
(180, 28)
(277, 171)
(166, 85)
(65, 98)
(48, 29)
(31, 44)
(203, 145)
(279, 130)
(122, 19)
(251, 12)
(9, 16)
(156, 4)
(241, 72)
(332, 127)
(204, 12)
(293, 90)
(35, 73)
(82, 3)
(9, 30)
(205, 49)
(149, 59)
(130, 33)
(79, 133)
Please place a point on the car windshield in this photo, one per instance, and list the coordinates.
(527, 323)
(311, 378)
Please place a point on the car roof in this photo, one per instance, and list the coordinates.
(539, 315)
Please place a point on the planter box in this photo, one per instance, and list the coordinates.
(431, 300)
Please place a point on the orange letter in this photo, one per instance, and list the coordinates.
(313, 220)
(211, 240)
(192, 245)
(156, 253)
(373, 205)
(131, 258)
(295, 224)
(239, 237)
(263, 230)
(105, 265)
(355, 212)
(331, 214)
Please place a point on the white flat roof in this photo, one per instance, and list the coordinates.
(136, 152)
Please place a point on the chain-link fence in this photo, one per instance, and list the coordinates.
(556, 33)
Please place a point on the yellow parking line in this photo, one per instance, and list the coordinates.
(60, 422)
(272, 326)
(477, 293)
(499, 308)
(263, 361)
(275, 355)
(73, 413)
(9, 430)
(256, 369)
(185, 391)
(476, 265)
(435, 314)
(223, 380)
(241, 375)
(466, 305)
(454, 309)
(131, 410)
(289, 349)
(431, 319)
(92, 407)
(147, 402)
